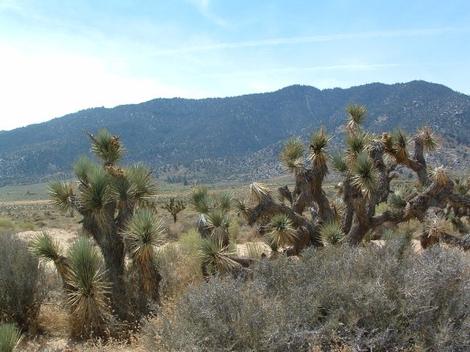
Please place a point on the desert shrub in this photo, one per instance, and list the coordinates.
(21, 291)
(371, 298)
(179, 264)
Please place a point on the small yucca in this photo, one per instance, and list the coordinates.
(339, 163)
(439, 176)
(400, 144)
(292, 154)
(318, 143)
(141, 235)
(47, 249)
(215, 256)
(142, 185)
(200, 200)
(87, 300)
(106, 147)
(281, 232)
(364, 174)
(437, 226)
(62, 195)
(10, 337)
(427, 138)
(96, 195)
(83, 168)
(331, 233)
(224, 201)
(356, 144)
(356, 116)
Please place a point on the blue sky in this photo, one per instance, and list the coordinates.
(58, 57)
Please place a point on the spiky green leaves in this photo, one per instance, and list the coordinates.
(356, 143)
(142, 184)
(292, 154)
(200, 199)
(215, 256)
(45, 248)
(83, 168)
(224, 201)
(331, 233)
(10, 336)
(339, 163)
(106, 147)
(142, 234)
(62, 195)
(427, 138)
(88, 297)
(281, 232)
(396, 145)
(364, 174)
(318, 143)
(356, 115)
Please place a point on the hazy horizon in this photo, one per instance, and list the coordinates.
(57, 58)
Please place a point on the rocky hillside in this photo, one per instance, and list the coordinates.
(236, 137)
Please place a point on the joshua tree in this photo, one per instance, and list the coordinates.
(367, 167)
(115, 204)
(216, 252)
(174, 207)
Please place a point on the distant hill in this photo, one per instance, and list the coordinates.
(236, 137)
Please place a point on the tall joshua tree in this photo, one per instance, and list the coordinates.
(367, 166)
(108, 196)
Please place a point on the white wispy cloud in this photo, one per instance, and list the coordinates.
(204, 8)
(311, 39)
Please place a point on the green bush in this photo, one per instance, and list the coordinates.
(380, 299)
(21, 291)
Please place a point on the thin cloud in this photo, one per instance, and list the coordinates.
(203, 7)
(311, 39)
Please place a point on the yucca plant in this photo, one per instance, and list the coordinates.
(427, 138)
(142, 235)
(218, 224)
(224, 201)
(400, 143)
(440, 176)
(107, 147)
(331, 233)
(339, 163)
(47, 249)
(216, 257)
(318, 156)
(364, 174)
(88, 298)
(10, 337)
(281, 232)
(356, 144)
(107, 196)
(368, 166)
(292, 154)
(201, 200)
(356, 116)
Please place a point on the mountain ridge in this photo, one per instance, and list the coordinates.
(214, 138)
